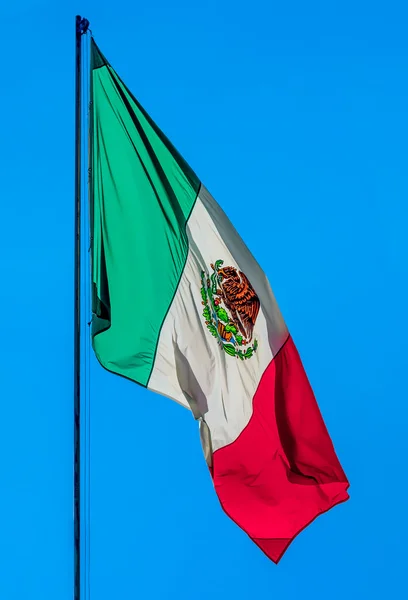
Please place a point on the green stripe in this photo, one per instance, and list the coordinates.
(142, 193)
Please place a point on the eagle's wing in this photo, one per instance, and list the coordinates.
(247, 302)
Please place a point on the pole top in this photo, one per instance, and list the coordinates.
(82, 25)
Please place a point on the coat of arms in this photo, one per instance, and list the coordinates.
(231, 307)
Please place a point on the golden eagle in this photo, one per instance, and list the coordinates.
(239, 298)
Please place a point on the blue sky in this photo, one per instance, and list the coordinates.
(295, 116)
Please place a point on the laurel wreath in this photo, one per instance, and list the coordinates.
(213, 313)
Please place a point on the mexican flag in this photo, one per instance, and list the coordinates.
(181, 307)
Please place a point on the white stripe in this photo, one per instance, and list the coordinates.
(190, 367)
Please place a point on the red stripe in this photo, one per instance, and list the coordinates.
(282, 471)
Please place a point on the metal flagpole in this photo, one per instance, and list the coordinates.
(81, 27)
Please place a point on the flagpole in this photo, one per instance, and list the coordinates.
(81, 27)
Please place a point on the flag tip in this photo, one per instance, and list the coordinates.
(82, 25)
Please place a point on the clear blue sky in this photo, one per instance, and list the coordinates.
(293, 113)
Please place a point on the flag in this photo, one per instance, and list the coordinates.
(181, 307)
